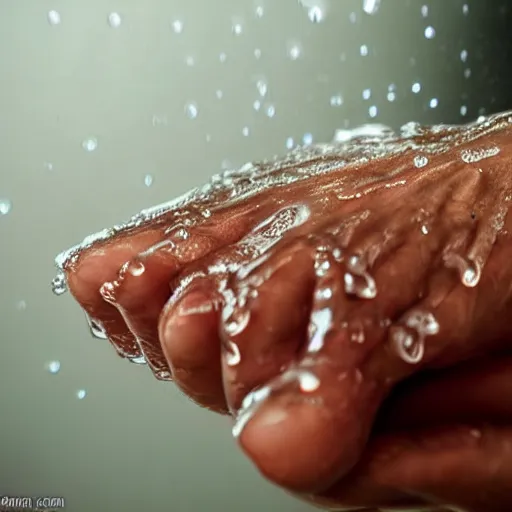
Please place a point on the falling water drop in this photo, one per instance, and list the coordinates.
(371, 6)
(148, 180)
(5, 206)
(81, 394)
(53, 367)
(54, 18)
(177, 26)
(114, 19)
(191, 110)
(90, 144)
(430, 32)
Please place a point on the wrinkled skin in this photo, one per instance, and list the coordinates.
(362, 289)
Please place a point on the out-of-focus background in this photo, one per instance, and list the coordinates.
(109, 106)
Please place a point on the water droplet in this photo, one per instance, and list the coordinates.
(465, 9)
(262, 87)
(81, 394)
(308, 382)
(363, 50)
(260, 11)
(114, 19)
(373, 111)
(290, 143)
(467, 73)
(177, 26)
(59, 284)
(190, 61)
(434, 102)
(358, 281)
(424, 229)
(294, 51)
(97, 330)
(257, 53)
(391, 96)
(191, 110)
(237, 28)
(21, 305)
(463, 110)
(54, 18)
(5, 206)
(223, 57)
(371, 6)
(138, 360)
(148, 180)
(271, 111)
(408, 345)
(233, 356)
(256, 105)
(48, 166)
(320, 324)
(336, 100)
(424, 10)
(367, 93)
(420, 161)
(245, 131)
(53, 367)
(90, 144)
(316, 9)
(463, 55)
(307, 139)
(416, 87)
(430, 32)
(352, 17)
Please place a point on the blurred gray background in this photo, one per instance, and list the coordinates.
(109, 106)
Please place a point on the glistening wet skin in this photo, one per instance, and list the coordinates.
(296, 294)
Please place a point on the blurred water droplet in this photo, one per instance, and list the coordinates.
(259, 11)
(465, 9)
(189, 61)
(223, 57)
(271, 111)
(290, 143)
(257, 53)
(5, 206)
(81, 394)
(237, 28)
(219, 94)
(352, 17)
(21, 305)
(90, 144)
(191, 110)
(373, 111)
(54, 18)
(416, 87)
(336, 100)
(59, 284)
(48, 166)
(256, 105)
(316, 9)
(363, 50)
(371, 6)
(53, 367)
(430, 32)
(467, 73)
(114, 19)
(424, 10)
(464, 55)
(177, 26)
(148, 180)
(294, 51)
(463, 110)
(307, 139)
(245, 131)
(434, 102)
(262, 87)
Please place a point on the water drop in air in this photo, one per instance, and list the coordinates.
(191, 110)
(54, 18)
(177, 26)
(114, 19)
(90, 144)
(371, 6)
(81, 394)
(5, 206)
(53, 367)
(148, 180)
(430, 32)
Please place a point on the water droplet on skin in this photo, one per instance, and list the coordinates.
(81, 394)
(233, 356)
(138, 360)
(114, 19)
(191, 110)
(308, 382)
(54, 18)
(53, 367)
(424, 230)
(96, 328)
(135, 268)
(357, 280)
(177, 26)
(420, 161)
(90, 144)
(320, 324)
(5, 206)
(409, 346)
(59, 284)
(371, 6)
